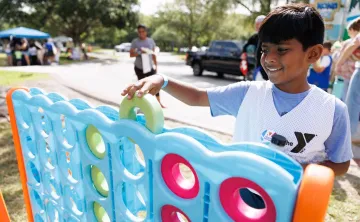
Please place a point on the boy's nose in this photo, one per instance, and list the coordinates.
(271, 58)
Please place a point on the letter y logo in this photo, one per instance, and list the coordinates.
(302, 139)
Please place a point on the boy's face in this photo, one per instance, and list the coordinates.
(287, 62)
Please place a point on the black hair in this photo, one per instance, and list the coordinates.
(141, 26)
(294, 21)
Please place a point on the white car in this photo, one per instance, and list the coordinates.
(123, 47)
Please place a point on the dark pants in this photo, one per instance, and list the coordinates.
(141, 75)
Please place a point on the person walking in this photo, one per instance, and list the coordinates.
(140, 47)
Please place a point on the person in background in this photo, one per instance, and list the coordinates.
(57, 54)
(18, 55)
(8, 52)
(141, 45)
(49, 51)
(83, 49)
(353, 95)
(33, 53)
(254, 41)
(320, 71)
(68, 54)
(40, 52)
(345, 63)
(25, 50)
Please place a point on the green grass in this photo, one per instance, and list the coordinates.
(13, 78)
(344, 202)
(10, 184)
(63, 60)
(343, 208)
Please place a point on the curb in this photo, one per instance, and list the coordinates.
(108, 102)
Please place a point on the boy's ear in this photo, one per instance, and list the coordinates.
(314, 53)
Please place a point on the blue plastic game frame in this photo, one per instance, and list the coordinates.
(60, 165)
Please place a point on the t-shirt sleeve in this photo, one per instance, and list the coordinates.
(338, 145)
(226, 100)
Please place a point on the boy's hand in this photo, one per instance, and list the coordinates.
(151, 84)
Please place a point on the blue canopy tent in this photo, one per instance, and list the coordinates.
(22, 32)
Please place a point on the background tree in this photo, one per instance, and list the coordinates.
(191, 19)
(75, 18)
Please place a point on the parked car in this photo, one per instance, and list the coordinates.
(123, 47)
(222, 57)
(204, 48)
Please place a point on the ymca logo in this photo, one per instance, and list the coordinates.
(302, 139)
(267, 135)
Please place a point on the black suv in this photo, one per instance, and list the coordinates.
(221, 57)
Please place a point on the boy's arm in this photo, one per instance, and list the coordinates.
(184, 92)
(338, 168)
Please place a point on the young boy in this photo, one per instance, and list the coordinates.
(314, 123)
(320, 71)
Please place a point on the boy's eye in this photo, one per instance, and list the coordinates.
(264, 51)
(282, 50)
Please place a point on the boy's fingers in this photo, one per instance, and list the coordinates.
(133, 89)
(124, 92)
(144, 89)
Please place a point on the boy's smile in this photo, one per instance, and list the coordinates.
(286, 64)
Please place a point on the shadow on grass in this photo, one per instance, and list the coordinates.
(353, 180)
(338, 192)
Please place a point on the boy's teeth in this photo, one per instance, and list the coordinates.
(274, 69)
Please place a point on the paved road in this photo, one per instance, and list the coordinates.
(107, 77)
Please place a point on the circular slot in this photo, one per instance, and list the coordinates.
(244, 200)
(95, 142)
(173, 169)
(99, 181)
